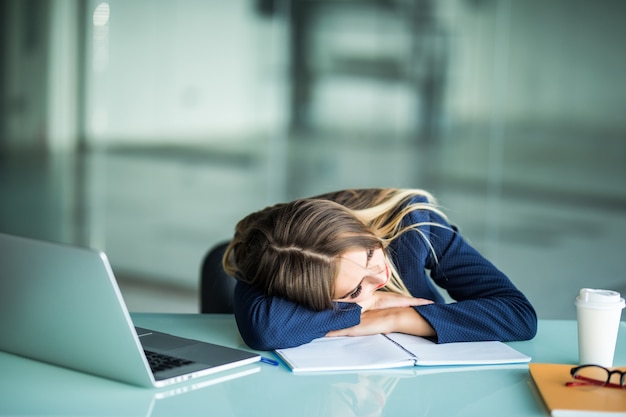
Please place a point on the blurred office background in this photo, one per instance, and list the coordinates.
(149, 128)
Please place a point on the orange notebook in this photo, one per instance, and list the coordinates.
(550, 380)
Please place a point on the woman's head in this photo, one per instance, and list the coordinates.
(328, 248)
(296, 251)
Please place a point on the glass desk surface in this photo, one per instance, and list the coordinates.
(32, 388)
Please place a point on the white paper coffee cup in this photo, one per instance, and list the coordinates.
(599, 313)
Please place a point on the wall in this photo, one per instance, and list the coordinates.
(192, 72)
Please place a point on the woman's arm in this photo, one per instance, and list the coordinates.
(268, 323)
(488, 306)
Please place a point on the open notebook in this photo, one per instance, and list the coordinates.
(395, 350)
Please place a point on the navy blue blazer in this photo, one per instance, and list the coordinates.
(487, 305)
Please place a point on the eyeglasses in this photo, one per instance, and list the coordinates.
(597, 375)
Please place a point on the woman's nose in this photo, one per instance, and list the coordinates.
(378, 275)
(377, 269)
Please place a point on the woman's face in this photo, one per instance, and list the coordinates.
(361, 272)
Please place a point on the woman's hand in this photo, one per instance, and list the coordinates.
(386, 312)
(382, 299)
(388, 320)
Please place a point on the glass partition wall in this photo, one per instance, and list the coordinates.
(148, 129)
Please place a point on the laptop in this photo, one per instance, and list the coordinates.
(61, 304)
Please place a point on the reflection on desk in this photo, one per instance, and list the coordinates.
(32, 388)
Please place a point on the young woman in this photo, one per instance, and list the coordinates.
(358, 262)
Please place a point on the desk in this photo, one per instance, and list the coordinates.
(33, 388)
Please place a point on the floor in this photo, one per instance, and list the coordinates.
(552, 228)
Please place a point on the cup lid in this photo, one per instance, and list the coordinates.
(595, 298)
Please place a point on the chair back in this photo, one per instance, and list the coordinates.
(216, 286)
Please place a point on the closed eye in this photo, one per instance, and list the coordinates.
(356, 292)
(369, 254)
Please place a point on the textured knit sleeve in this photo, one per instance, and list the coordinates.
(487, 305)
(268, 323)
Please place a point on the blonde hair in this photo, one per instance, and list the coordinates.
(291, 250)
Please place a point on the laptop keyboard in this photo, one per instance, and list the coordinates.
(160, 362)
